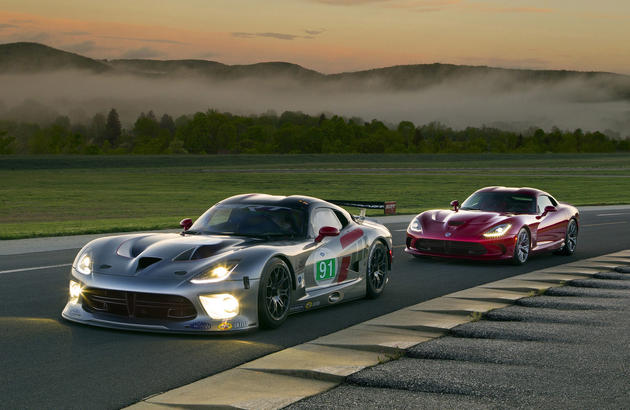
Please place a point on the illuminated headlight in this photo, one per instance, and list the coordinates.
(85, 264)
(415, 226)
(75, 289)
(497, 231)
(216, 273)
(222, 306)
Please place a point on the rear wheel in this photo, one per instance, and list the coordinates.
(376, 275)
(570, 239)
(521, 248)
(274, 294)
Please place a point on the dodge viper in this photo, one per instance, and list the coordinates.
(496, 223)
(249, 261)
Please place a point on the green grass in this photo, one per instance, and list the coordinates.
(47, 196)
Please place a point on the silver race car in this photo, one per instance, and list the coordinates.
(248, 261)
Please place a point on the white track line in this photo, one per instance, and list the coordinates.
(35, 268)
(607, 223)
(622, 213)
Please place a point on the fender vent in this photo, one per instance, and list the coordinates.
(146, 262)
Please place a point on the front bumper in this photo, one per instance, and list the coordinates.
(132, 317)
(477, 249)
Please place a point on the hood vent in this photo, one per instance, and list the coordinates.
(455, 223)
(206, 251)
(146, 262)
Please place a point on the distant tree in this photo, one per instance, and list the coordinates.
(113, 129)
(167, 123)
(6, 143)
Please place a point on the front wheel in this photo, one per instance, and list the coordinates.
(376, 272)
(274, 294)
(570, 239)
(521, 248)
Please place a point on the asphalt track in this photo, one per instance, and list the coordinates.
(49, 363)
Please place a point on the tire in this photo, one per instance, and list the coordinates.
(376, 271)
(274, 294)
(522, 247)
(570, 239)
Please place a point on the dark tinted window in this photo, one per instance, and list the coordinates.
(500, 202)
(252, 220)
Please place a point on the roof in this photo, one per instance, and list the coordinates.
(293, 201)
(514, 190)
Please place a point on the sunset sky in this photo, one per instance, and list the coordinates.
(334, 35)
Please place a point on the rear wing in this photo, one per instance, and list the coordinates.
(389, 207)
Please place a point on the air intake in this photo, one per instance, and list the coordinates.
(146, 262)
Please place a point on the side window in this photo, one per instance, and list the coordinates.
(324, 217)
(342, 218)
(543, 202)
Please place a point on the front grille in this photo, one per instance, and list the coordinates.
(449, 247)
(138, 305)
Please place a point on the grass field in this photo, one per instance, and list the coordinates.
(47, 196)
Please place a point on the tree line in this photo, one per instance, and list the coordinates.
(213, 132)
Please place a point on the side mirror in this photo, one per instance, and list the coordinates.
(455, 205)
(548, 208)
(326, 231)
(186, 223)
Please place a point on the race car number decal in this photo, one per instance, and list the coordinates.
(325, 269)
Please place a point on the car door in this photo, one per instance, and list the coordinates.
(336, 258)
(550, 228)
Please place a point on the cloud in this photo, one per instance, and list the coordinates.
(82, 47)
(75, 33)
(148, 40)
(315, 32)
(208, 55)
(277, 36)
(349, 2)
(4, 25)
(493, 8)
(143, 52)
(31, 37)
(424, 6)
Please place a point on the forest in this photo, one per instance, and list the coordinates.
(213, 132)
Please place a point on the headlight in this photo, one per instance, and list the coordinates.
(415, 226)
(222, 306)
(497, 231)
(85, 264)
(216, 273)
(75, 289)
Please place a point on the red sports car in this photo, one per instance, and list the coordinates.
(496, 223)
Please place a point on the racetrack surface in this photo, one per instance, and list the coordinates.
(50, 363)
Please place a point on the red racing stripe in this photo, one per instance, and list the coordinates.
(343, 270)
(350, 237)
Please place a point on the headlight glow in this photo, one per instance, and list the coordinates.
(415, 226)
(85, 264)
(221, 306)
(216, 273)
(75, 289)
(497, 231)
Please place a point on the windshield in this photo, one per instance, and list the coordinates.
(252, 220)
(500, 202)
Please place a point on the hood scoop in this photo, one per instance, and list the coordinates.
(145, 262)
(206, 251)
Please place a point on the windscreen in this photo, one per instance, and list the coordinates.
(263, 221)
(504, 202)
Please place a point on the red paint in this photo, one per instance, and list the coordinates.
(326, 231)
(343, 271)
(350, 237)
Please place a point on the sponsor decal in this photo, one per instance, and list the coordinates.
(343, 270)
(390, 207)
(300, 280)
(200, 325)
(448, 234)
(224, 326)
(351, 237)
(308, 305)
(325, 269)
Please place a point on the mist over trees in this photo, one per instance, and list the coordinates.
(213, 132)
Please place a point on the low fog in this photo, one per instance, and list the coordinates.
(470, 101)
